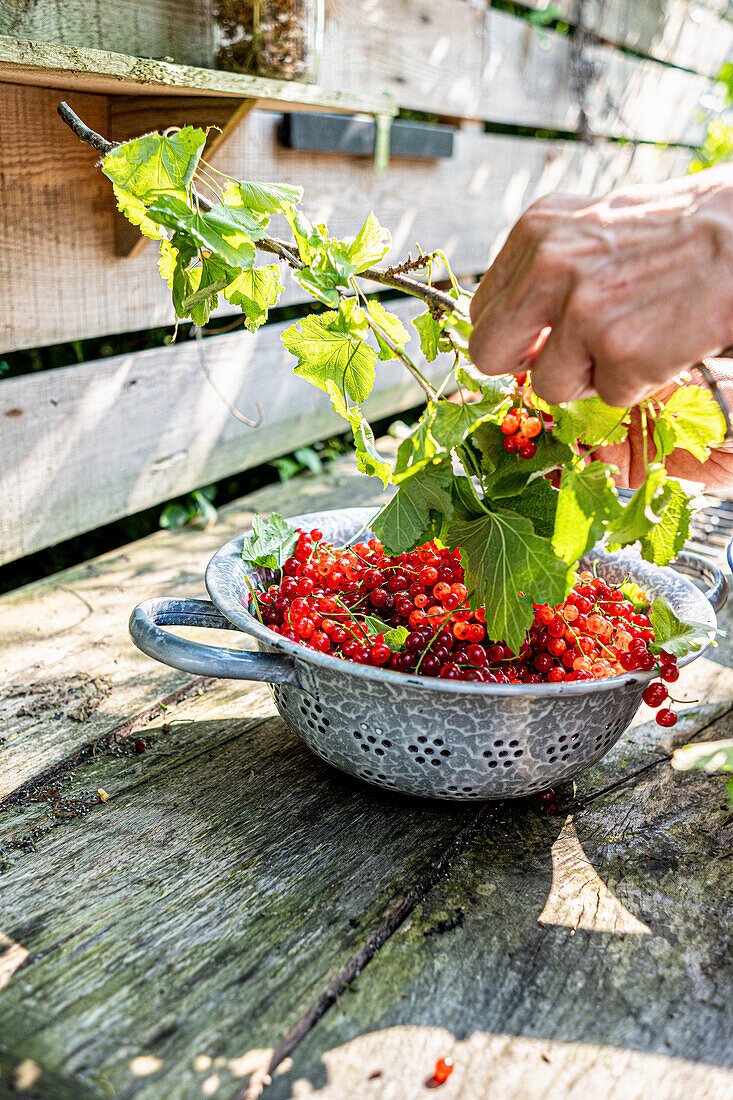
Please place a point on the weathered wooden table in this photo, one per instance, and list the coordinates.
(187, 890)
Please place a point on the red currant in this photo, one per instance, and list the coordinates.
(666, 717)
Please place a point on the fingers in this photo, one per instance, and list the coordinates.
(563, 370)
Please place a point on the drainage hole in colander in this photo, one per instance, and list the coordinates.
(412, 748)
(565, 756)
(437, 740)
(379, 752)
(493, 763)
(429, 751)
(386, 744)
(508, 763)
(552, 760)
(519, 752)
(371, 739)
(503, 752)
(377, 730)
(487, 753)
(422, 740)
(513, 744)
(420, 759)
(498, 743)
(357, 735)
(550, 750)
(445, 752)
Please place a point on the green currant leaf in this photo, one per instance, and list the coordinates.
(708, 756)
(136, 212)
(410, 517)
(371, 243)
(466, 503)
(453, 421)
(666, 538)
(694, 420)
(156, 164)
(642, 512)
(212, 230)
(262, 198)
(634, 592)
(676, 636)
(326, 353)
(429, 332)
(589, 421)
(368, 459)
(308, 237)
(508, 566)
(507, 475)
(417, 449)
(271, 542)
(538, 503)
(375, 625)
(322, 287)
(587, 504)
(396, 638)
(254, 290)
(391, 326)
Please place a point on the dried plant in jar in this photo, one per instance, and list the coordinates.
(275, 38)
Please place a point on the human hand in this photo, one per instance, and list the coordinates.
(631, 289)
(716, 474)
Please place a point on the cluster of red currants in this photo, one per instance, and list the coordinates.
(327, 596)
(522, 425)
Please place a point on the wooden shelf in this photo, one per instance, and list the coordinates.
(71, 68)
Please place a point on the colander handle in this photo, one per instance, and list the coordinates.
(716, 591)
(202, 660)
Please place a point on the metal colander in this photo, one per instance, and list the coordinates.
(421, 736)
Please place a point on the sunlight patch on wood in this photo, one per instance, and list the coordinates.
(578, 896)
(11, 956)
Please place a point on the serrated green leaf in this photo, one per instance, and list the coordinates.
(212, 230)
(375, 625)
(417, 449)
(538, 503)
(429, 332)
(453, 421)
(254, 290)
(308, 237)
(419, 504)
(634, 592)
(327, 354)
(586, 504)
(368, 459)
(694, 420)
(507, 475)
(642, 512)
(396, 638)
(271, 542)
(666, 538)
(391, 326)
(501, 388)
(676, 636)
(322, 287)
(708, 756)
(156, 164)
(590, 421)
(263, 198)
(502, 556)
(371, 243)
(136, 212)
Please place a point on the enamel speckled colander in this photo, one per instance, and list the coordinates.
(422, 736)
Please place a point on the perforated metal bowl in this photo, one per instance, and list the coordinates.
(422, 736)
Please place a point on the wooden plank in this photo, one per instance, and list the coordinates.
(685, 33)
(584, 953)
(88, 444)
(529, 79)
(45, 64)
(177, 29)
(56, 225)
(203, 905)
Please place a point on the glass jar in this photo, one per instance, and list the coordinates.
(276, 38)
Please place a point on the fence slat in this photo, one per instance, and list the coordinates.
(687, 33)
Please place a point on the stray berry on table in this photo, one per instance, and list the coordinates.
(443, 1070)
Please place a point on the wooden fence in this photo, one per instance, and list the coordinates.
(83, 445)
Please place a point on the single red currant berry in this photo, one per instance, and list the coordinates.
(532, 427)
(666, 717)
(443, 1070)
(510, 443)
(670, 673)
(654, 695)
(510, 424)
(528, 450)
